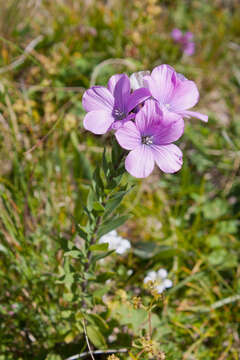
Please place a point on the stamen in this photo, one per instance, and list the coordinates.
(119, 115)
(147, 140)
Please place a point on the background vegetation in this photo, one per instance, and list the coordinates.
(187, 223)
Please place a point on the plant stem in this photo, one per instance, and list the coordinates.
(95, 230)
(89, 255)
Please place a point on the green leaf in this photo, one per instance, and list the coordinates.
(105, 164)
(115, 201)
(98, 321)
(97, 206)
(95, 336)
(82, 232)
(97, 180)
(112, 224)
(90, 200)
(95, 258)
(85, 163)
(116, 153)
(3, 249)
(69, 280)
(101, 291)
(75, 254)
(99, 247)
(150, 250)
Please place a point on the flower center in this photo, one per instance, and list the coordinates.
(119, 115)
(147, 140)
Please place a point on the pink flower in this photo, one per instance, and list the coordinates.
(185, 40)
(109, 107)
(173, 91)
(150, 140)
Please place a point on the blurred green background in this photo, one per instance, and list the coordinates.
(187, 223)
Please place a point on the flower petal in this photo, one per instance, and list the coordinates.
(184, 96)
(169, 132)
(148, 117)
(195, 114)
(98, 122)
(161, 83)
(167, 157)
(97, 98)
(152, 275)
(113, 81)
(122, 93)
(160, 289)
(189, 48)
(128, 136)
(188, 36)
(136, 79)
(167, 283)
(176, 34)
(137, 97)
(140, 162)
(162, 273)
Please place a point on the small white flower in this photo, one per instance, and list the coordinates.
(159, 280)
(136, 79)
(115, 242)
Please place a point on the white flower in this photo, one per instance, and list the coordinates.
(115, 242)
(159, 280)
(136, 79)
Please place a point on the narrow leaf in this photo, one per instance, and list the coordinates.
(99, 247)
(111, 225)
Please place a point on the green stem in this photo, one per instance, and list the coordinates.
(95, 230)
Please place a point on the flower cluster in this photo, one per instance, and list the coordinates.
(185, 40)
(115, 242)
(158, 280)
(146, 112)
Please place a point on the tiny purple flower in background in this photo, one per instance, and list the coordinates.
(109, 107)
(185, 40)
(173, 91)
(150, 140)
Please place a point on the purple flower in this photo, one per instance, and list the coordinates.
(173, 91)
(185, 40)
(109, 107)
(150, 140)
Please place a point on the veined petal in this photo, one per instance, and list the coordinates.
(98, 122)
(122, 93)
(161, 83)
(169, 132)
(195, 114)
(140, 162)
(167, 157)
(148, 117)
(136, 79)
(113, 81)
(128, 136)
(185, 96)
(97, 98)
(137, 97)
